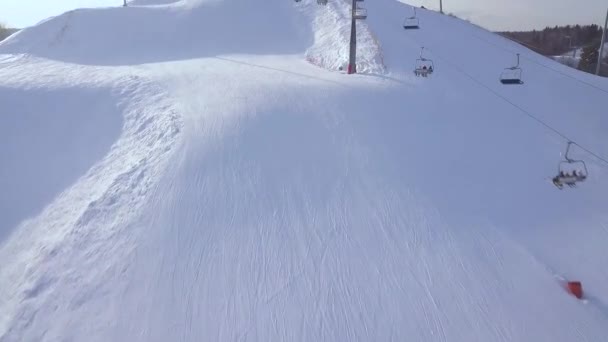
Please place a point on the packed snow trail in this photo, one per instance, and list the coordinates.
(252, 196)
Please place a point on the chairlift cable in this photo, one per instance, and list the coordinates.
(524, 111)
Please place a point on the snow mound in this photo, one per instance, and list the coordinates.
(147, 34)
(200, 29)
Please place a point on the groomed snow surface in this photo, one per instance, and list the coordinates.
(202, 170)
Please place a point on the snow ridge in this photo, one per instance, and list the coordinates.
(88, 220)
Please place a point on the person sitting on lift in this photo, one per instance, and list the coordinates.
(556, 181)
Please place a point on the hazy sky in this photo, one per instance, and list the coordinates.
(523, 14)
(22, 13)
(492, 14)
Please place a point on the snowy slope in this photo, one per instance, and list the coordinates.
(199, 171)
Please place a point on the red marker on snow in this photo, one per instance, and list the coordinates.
(576, 289)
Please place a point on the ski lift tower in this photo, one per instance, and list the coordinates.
(601, 52)
(357, 13)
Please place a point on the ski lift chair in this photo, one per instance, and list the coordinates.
(360, 13)
(512, 75)
(411, 22)
(424, 66)
(321, 2)
(570, 171)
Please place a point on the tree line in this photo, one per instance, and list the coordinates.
(559, 40)
(555, 41)
(5, 31)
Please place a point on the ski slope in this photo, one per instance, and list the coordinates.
(201, 170)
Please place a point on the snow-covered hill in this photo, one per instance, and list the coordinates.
(201, 171)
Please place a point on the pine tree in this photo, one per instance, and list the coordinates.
(589, 58)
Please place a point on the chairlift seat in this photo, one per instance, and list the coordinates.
(411, 23)
(512, 75)
(570, 180)
(424, 67)
(360, 13)
(422, 72)
(511, 81)
(570, 171)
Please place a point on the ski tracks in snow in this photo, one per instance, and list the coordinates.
(261, 233)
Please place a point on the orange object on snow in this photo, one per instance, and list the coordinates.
(576, 289)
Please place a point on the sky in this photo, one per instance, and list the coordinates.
(23, 13)
(495, 15)
(516, 15)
